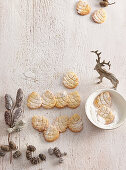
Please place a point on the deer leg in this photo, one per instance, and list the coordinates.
(100, 77)
(115, 86)
(115, 83)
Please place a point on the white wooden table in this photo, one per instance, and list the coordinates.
(39, 41)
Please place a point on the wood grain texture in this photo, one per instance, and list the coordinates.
(39, 41)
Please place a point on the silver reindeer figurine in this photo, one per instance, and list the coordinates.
(104, 73)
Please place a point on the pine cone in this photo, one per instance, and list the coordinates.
(57, 152)
(12, 145)
(16, 154)
(50, 151)
(2, 154)
(5, 148)
(42, 157)
(28, 155)
(35, 160)
(31, 148)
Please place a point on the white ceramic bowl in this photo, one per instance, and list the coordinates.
(118, 107)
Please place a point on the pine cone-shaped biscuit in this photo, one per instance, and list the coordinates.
(61, 100)
(74, 99)
(83, 8)
(48, 100)
(106, 113)
(103, 99)
(51, 134)
(40, 123)
(109, 119)
(99, 16)
(34, 100)
(70, 80)
(75, 123)
(61, 123)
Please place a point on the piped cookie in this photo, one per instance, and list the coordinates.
(34, 100)
(83, 8)
(75, 123)
(48, 100)
(99, 16)
(70, 80)
(74, 99)
(61, 123)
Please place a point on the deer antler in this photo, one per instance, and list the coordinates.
(98, 54)
(103, 64)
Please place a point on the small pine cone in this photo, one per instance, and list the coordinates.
(31, 148)
(5, 148)
(50, 151)
(42, 157)
(2, 153)
(12, 145)
(61, 160)
(28, 155)
(57, 152)
(35, 160)
(16, 154)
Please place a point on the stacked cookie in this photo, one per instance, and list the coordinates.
(103, 103)
(51, 132)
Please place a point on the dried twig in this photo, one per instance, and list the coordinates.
(12, 114)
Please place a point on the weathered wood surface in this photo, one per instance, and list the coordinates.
(39, 41)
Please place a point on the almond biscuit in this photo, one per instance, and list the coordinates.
(34, 100)
(48, 100)
(51, 134)
(106, 113)
(103, 99)
(75, 123)
(83, 8)
(61, 123)
(73, 99)
(61, 100)
(70, 80)
(40, 123)
(99, 16)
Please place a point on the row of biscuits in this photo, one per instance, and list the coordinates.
(60, 124)
(49, 100)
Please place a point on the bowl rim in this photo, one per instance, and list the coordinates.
(95, 124)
